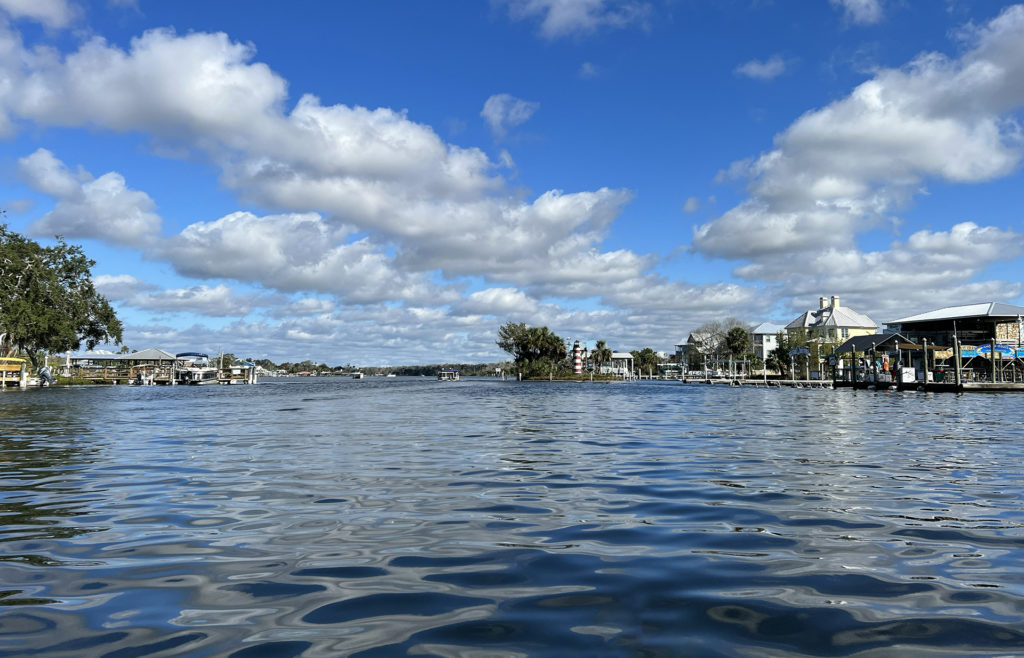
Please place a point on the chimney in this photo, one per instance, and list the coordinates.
(821, 302)
(834, 301)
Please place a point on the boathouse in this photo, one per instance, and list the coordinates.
(986, 338)
(971, 324)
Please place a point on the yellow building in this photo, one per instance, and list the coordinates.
(831, 322)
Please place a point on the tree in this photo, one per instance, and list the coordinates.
(646, 360)
(779, 358)
(737, 341)
(711, 341)
(47, 299)
(535, 350)
(601, 354)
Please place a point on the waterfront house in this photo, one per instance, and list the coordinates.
(831, 322)
(764, 338)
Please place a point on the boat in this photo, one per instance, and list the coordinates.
(197, 369)
(448, 375)
(390, 374)
(357, 375)
(12, 370)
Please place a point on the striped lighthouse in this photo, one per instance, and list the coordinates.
(577, 361)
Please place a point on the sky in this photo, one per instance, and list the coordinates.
(388, 182)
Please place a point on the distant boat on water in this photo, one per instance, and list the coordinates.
(357, 375)
(198, 370)
(448, 375)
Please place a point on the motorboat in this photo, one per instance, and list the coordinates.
(448, 375)
(197, 369)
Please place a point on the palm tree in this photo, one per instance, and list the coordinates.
(601, 354)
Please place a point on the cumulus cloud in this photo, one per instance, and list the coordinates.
(303, 307)
(103, 208)
(561, 18)
(839, 170)
(292, 253)
(496, 301)
(860, 12)
(365, 206)
(376, 171)
(504, 111)
(120, 287)
(51, 13)
(770, 68)
(216, 301)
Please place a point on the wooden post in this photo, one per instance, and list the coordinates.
(992, 356)
(853, 365)
(924, 345)
(956, 362)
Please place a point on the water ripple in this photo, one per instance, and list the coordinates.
(380, 518)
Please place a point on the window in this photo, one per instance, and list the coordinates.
(845, 332)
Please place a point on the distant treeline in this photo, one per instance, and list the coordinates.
(466, 369)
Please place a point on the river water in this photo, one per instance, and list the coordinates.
(384, 517)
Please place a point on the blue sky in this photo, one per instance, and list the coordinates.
(389, 182)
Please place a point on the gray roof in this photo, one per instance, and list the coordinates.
(832, 317)
(982, 310)
(767, 328)
(149, 354)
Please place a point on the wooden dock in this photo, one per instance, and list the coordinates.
(770, 383)
(926, 387)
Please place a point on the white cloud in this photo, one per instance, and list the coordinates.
(104, 208)
(861, 12)
(51, 13)
(588, 70)
(496, 301)
(692, 205)
(303, 307)
(367, 207)
(839, 170)
(120, 287)
(435, 205)
(216, 301)
(928, 270)
(772, 67)
(292, 253)
(503, 111)
(560, 18)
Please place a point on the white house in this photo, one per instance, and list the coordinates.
(765, 338)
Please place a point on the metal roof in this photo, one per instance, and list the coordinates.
(767, 328)
(831, 316)
(886, 341)
(149, 354)
(983, 310)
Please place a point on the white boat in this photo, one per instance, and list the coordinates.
(391, 374)
(448, 375)
(357, 375)
(197, 370)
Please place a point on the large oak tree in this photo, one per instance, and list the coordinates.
(47, 299)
